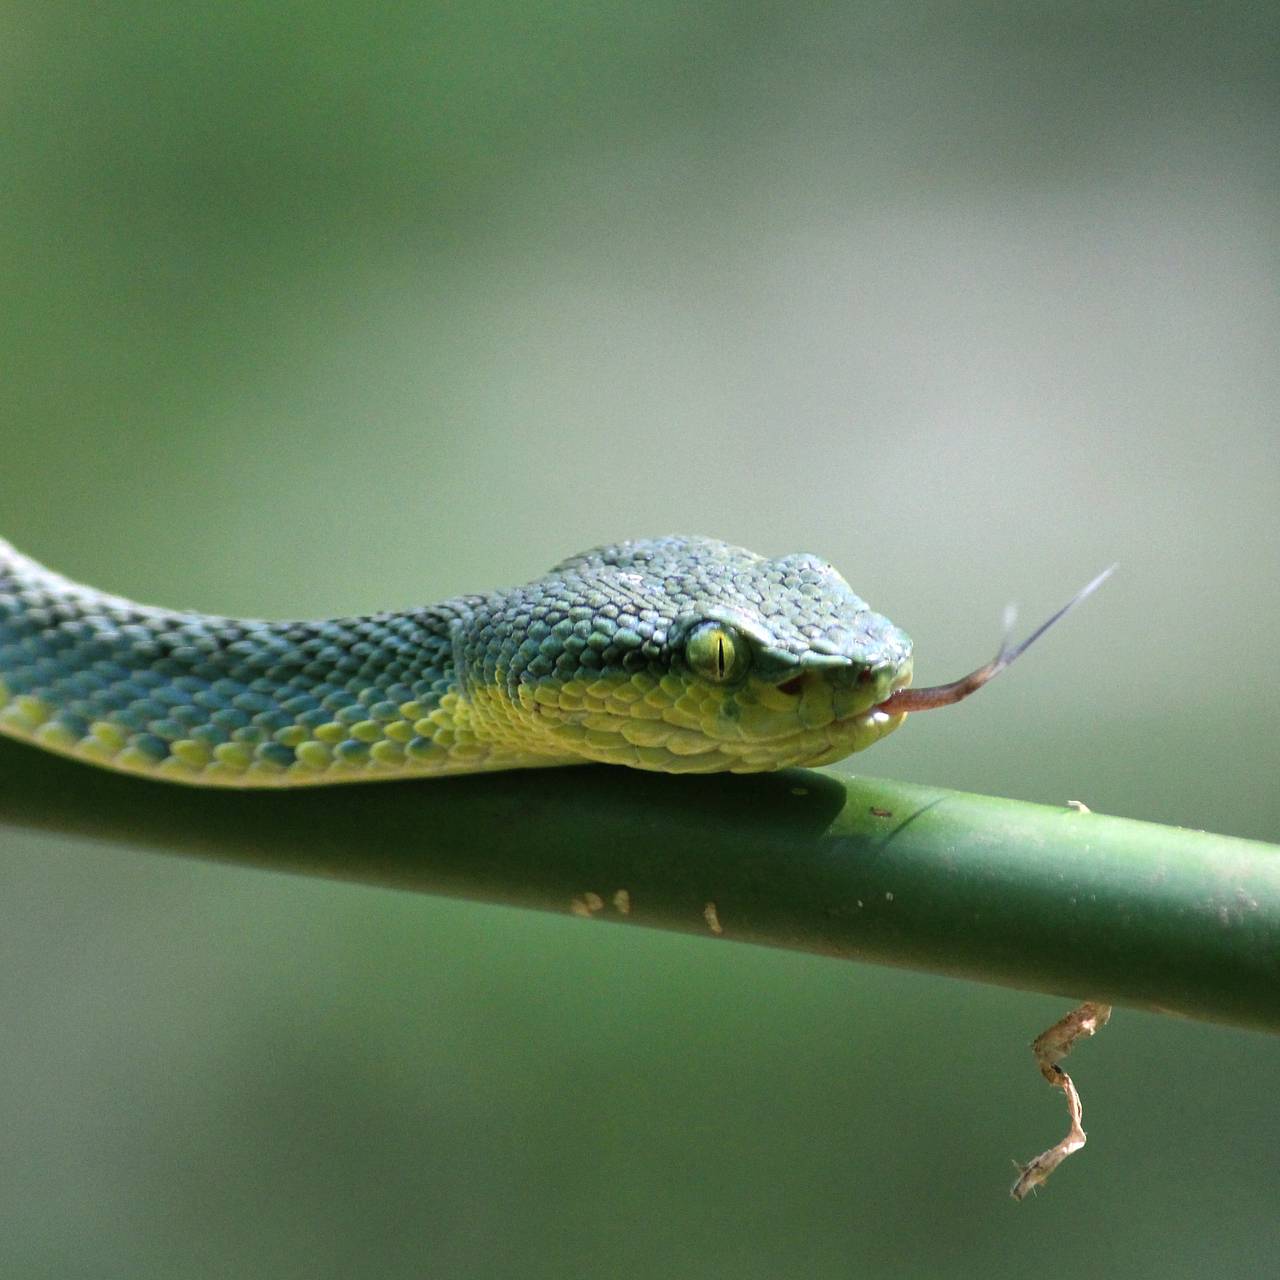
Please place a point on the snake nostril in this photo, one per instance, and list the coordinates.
(793, 686)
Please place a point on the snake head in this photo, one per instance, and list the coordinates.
(684, 655)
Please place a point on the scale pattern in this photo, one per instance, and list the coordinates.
(586, 663)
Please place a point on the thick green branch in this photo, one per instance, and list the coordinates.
(1049, 899)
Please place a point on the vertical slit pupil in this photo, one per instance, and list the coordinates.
(720, 654)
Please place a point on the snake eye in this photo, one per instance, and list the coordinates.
(716, 653)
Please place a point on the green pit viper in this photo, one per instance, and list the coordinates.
(677, 654)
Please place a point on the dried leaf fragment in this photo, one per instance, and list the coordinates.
(1050, 1047)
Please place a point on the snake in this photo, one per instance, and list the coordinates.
(676, 654)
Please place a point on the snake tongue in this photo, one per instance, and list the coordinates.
(943, 695)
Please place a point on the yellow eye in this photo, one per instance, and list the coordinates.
(715, 653)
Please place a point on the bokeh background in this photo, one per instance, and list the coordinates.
(321, 309)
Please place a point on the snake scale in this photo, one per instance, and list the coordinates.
(677, 654)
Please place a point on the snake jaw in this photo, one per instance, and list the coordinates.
(676, 722)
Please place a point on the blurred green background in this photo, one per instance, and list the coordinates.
(321, 309)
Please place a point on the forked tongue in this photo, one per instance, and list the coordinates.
(943, 695)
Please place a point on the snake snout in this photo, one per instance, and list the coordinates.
(844, 674)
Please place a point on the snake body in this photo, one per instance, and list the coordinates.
(677, 654)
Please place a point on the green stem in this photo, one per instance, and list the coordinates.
(1032, 896)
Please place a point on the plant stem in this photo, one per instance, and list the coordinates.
(1044, 898)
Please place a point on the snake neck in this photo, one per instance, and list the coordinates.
(196, 697)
